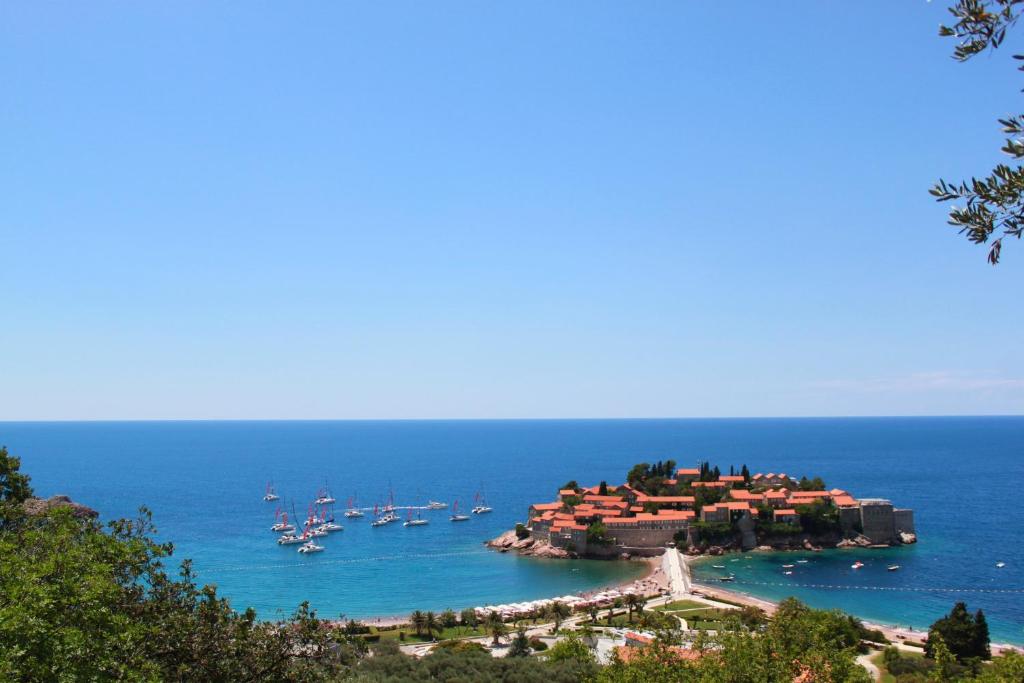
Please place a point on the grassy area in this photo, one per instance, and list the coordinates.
(444, 634)
(681, 605)
(879, 661)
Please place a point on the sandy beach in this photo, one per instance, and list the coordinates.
(896, 634)
(651, 583)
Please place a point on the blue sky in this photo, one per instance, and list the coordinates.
(400, 210)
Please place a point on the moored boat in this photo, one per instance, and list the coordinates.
(270, 494)
(311, 547)
(435, 505)
(456, 517)
(893, 567)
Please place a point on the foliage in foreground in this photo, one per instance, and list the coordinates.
(994, 205)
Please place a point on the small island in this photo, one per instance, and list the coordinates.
(702, 511)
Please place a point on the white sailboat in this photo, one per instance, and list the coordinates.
(481, 505)
(311, 547)
(353, 512)
(456, 517)
(270, 495)
(281, 524)
(419, 521)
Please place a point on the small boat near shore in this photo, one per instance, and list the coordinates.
(893, 568)
(718, 566)
(857, 565)
(788, 566)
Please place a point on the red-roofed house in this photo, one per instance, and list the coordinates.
(777, 498)
(732, 478)
(785, 515)
(687, 474)
(714, 513)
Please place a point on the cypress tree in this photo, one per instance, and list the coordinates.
(981, 637)
(602, 489)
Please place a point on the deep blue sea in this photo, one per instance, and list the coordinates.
(204, 482)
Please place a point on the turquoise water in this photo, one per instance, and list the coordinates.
(204, 481)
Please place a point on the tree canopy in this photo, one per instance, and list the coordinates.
(993, 207)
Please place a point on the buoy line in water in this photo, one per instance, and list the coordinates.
(354, 560)
(785, 584)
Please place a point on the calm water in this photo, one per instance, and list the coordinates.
(204, 481)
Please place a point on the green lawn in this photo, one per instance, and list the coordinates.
(445, 634)
(680, 605)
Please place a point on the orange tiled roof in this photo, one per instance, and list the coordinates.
(670, 499)
(810, 494)
(688, 472)
(671, 482)
(709, 484)
(594, 498)
(731, 477)
(776, 493)
(567, 492)
(785, 513)
(845, 501)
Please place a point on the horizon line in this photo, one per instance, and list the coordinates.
(509, 419)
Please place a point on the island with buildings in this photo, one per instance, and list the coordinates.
(700, 510)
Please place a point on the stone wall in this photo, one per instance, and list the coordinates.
(877, 520)
(904, 520)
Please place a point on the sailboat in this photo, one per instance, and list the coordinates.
(270, 495)
(481, 506)
(456, 517)
(419, 521)
(328, 523)
(352, 510)
(311, 547)
(323, 496)
(281, 526)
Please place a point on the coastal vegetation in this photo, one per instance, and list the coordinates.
(83, 600)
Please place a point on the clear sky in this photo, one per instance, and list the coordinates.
(436, 209)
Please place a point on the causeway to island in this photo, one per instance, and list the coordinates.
(704, 511)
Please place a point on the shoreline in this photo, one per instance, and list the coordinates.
(896, 634)
(652, 576)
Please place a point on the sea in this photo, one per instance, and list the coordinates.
(204, 482)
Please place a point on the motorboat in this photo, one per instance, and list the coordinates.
(290, 539)
(331, 526)
(386, 518)
(727, 578)
(1000, 565)
(787, 566)
(718, 566)
(787, 573)
(310, 547)
(801, 561)
(857, 565)
(434, 505)
(893, 567)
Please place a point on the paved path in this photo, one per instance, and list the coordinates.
(865, 661)
(678, 573)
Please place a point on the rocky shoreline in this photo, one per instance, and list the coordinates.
(528, 546)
